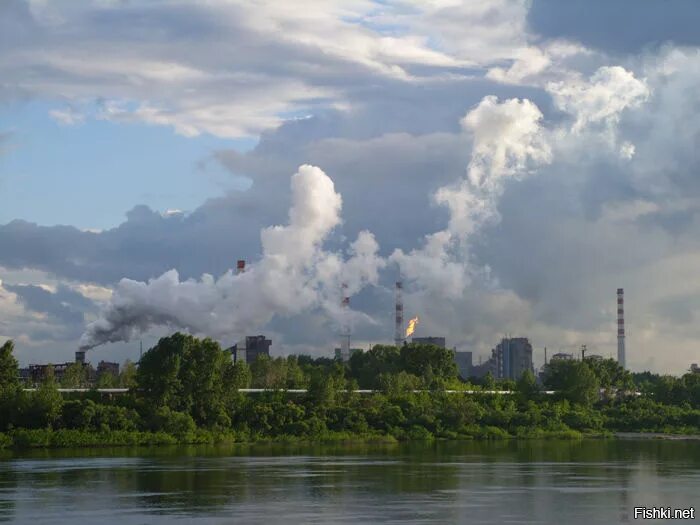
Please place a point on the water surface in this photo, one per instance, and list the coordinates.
(549, 482)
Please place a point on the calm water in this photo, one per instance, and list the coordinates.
(586, 482)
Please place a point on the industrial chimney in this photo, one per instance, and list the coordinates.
(345, 325)
(621, 328)
(240, 266)
(80, 357)
(398, 328)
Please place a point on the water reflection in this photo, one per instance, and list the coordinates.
(588, 481)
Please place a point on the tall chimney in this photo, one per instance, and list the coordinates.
(398, 328)
(345, 327)
(240, 266)
(621, 328)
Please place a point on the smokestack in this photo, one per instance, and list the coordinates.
(80, 357)
(240, 266)
(345, 328)
(398, 328)
(621, 328)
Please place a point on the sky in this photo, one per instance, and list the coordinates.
(516, 161)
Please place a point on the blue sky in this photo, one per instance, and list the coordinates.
(90, 174)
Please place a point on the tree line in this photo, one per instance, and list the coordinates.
(187, 389)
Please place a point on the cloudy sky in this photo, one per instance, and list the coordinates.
(517, 161)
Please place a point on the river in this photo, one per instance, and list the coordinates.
(549, 482)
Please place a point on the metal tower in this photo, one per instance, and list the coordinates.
(398, 327)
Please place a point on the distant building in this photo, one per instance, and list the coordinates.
(594, 357)
(563, 356)
(513, 357)
(250, 348)
(464, 364)
(694, 368)
(105, 367)
(437, 341)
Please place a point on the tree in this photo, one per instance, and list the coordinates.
(240, 375)
(107, 380)
(9, 371)
(415, 359)
(573, 380)
(9, 385)
(489, 383)
(75, 376)
(610, 373)
(186, 374)
(44, 405)
(527, 387)
(367, 367)
(127, 376)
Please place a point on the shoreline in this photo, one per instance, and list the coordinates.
(656, 435)
(37, 439)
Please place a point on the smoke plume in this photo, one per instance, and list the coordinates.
(295, 274)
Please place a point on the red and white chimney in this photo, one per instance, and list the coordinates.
(621, 328)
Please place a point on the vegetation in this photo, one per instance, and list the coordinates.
(186, 390)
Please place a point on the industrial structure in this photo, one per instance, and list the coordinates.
(621, 328)
(509, 360)
(345, 329)
(248, 349)
(437, 341)
(398, 322)
(464, 364)
(37, 373)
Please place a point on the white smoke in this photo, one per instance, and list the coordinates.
(508, 142)
(295, 274)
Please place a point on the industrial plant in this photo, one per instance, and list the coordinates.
(509, 359)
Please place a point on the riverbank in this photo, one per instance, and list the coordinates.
(67, 438)
(655, 435)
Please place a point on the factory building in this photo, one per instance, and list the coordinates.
(563, 357)
(464, 364)
(509, 360)
(35, 374)
(106, 367)
(513, 357)
(250, 348)
(437, 341)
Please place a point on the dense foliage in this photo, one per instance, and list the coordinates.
(187, 390)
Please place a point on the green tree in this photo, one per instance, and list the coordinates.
(240, 375)
(610, 373)
(75, 376)
(127, 375)
(44, 405)
(187, 375)
(9, 385)
(107, 380)
(573, 380)
(415, 359)
(527, 387)
(488, 382)
(9, 371)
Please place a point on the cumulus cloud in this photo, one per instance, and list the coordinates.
(601, 99)
(485, 246)
(295, 274)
